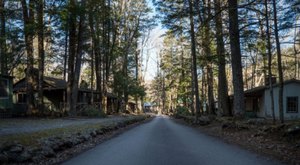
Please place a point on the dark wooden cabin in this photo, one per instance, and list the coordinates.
(55, 94)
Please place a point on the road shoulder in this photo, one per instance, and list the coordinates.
(265, 139)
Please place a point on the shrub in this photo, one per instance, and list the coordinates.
(92, 112)
(182, 111)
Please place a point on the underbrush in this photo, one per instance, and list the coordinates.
(182, 111)
(93, 112)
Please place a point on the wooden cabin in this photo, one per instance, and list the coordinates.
(55, 94)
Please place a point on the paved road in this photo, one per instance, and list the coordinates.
(164, 142)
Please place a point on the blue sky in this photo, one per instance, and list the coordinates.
(155, 44)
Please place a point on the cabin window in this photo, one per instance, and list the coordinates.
(3, 88)
(21, 98)
(292, 104)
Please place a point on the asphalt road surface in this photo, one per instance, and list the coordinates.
(164, 142)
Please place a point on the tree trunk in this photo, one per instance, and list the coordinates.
(107, 52)
(192, 94)
(210, 91)
(210, 79)
(263, 49)
(203, 93)
(269, 49)
(72, 53)
(66, 53)
(223, 100)
(110, 44)
(97, 56)
(92, 72)
(192, 87)
(253, 69)
(136, 78)
(194, 59)
(40, 15)
(280, 74)
(125, 74)
(164, 94)
(98, 68)
(79, 53)
(3, 53)
(237, 74)
(28, 16)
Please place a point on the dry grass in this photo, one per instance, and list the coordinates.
(32, 138)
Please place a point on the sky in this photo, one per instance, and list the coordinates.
(152, 49)
(151, 53)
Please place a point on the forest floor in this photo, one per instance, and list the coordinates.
(279, 141)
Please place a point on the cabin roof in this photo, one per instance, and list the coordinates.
(6, 76)
(258, 91)
(51, 83)
(288, 82)
(55, 82)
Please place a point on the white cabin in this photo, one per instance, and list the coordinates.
(258, 101)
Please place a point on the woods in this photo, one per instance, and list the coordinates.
(96, 42)
(214, 51)
(238, 46)
(75, 73)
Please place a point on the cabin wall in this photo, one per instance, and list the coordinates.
(290, 90)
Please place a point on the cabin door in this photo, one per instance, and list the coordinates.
(255, 107)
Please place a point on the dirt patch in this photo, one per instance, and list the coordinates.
(279, 141)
